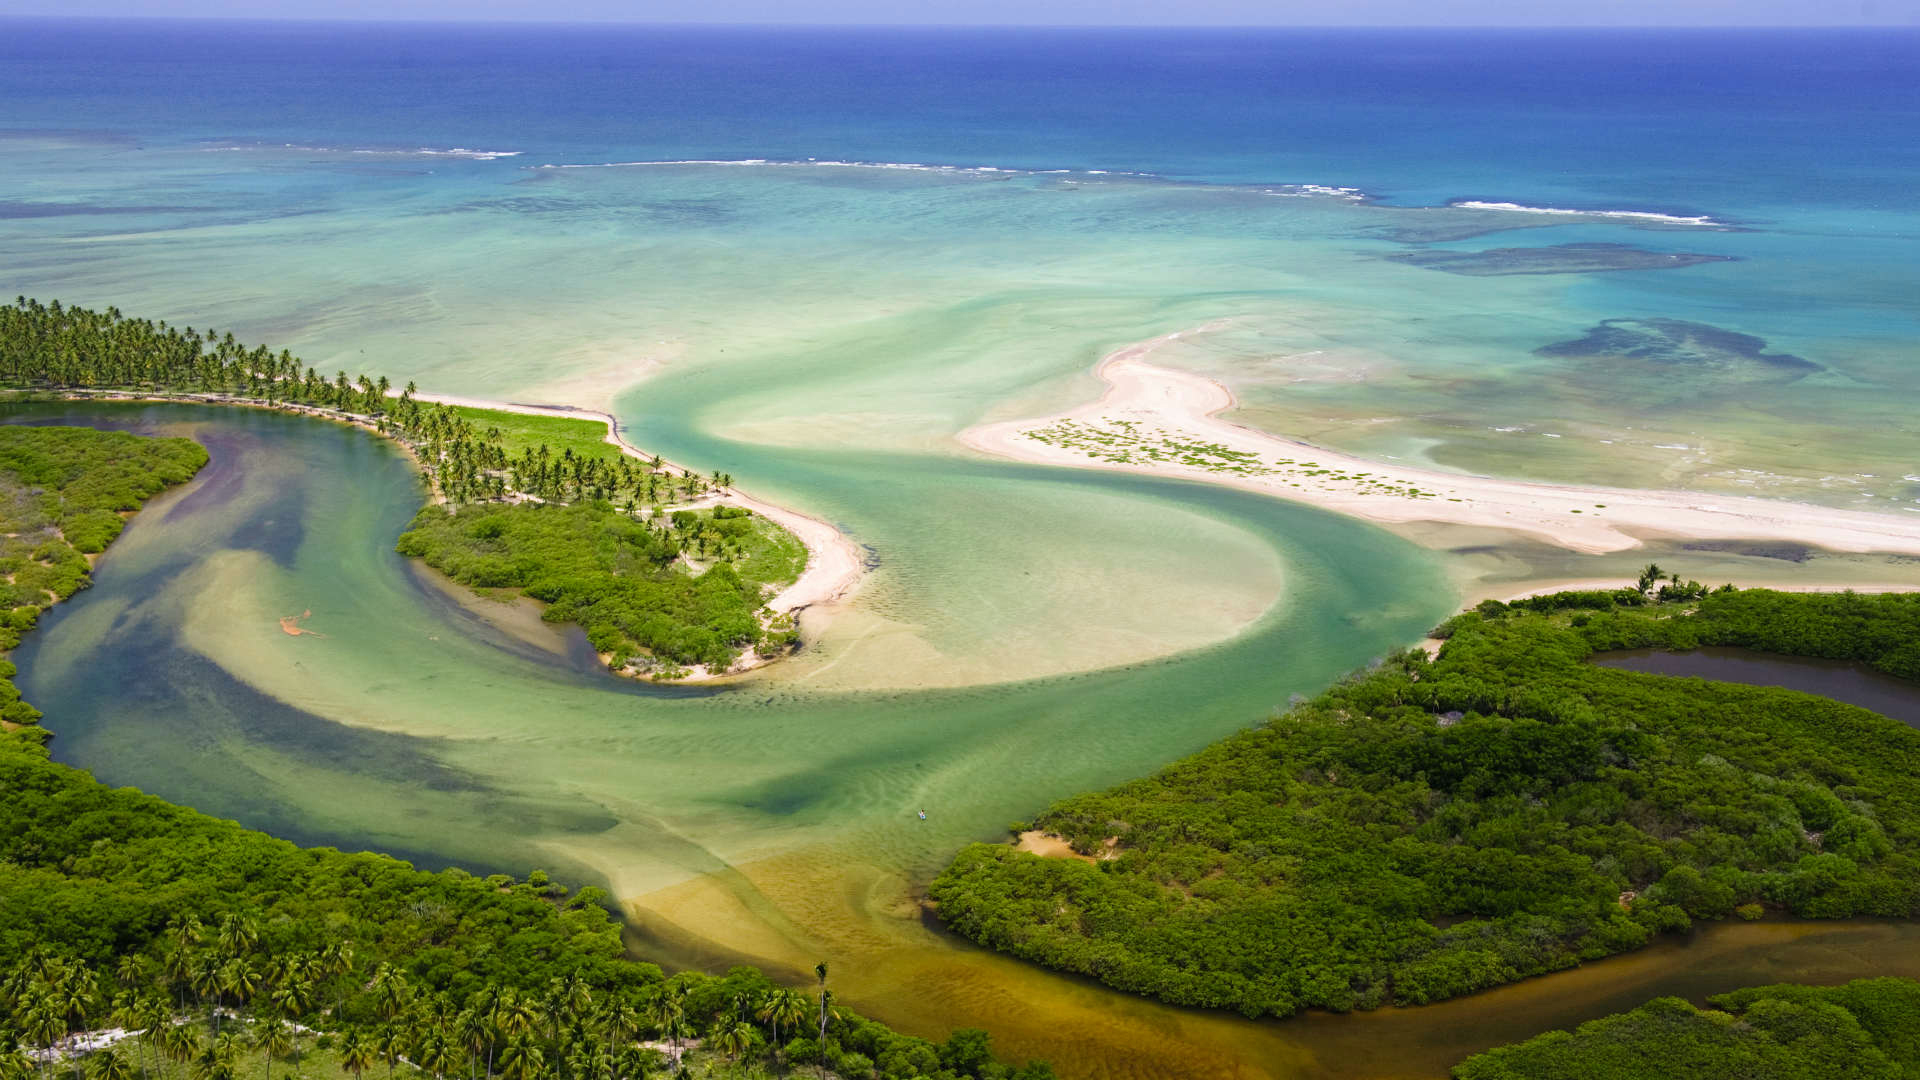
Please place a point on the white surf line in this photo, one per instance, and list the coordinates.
(1164, 402)
(835, 564)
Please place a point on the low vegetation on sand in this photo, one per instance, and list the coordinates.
(1865, 1030)
(537, 503)
(1429, 828)
(1126, 442)
(63, 491)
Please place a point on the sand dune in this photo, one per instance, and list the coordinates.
(1152, 420)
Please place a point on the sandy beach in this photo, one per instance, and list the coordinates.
(834, 562)
(1160, 421)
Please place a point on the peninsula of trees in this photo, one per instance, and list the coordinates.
(63, 494)
(1434, 827)
(611, 542)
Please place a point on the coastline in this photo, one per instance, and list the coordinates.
(1164, 415)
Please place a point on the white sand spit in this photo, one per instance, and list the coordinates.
(1164, 422)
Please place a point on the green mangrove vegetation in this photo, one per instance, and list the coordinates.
(1432, 827)
(539, 504)
(630, 582)
(208, 939)
(63, 494)
(141, 940)
(1868, 1029)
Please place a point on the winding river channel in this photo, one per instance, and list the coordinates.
(774, 822)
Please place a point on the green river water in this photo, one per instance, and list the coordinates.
(775, 822)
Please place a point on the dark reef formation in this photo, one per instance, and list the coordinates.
(1680, 344)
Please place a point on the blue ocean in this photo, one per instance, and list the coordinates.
(1734, 121)
(812, 257)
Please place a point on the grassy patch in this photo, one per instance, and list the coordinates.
(520, 432)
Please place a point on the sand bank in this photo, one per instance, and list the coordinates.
(834, 562)
(1164, 422)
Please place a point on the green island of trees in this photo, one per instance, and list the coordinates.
(140, 940)
(519, 495)
(1866, 1030)
(63, 491)
(1432, 827)
(623, 579)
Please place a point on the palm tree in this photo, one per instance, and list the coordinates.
(436, 1053)
(154, 1020)
(820, 973)
(238, 978)
(109, 1064)
(356, 1054)
(336, 959)
(668, 1011)
(45, 1025)
(470, 1028)
(621, 1020)
(275, 1039)
(487, 1005)
(205, 977)
(390, 1042)
(389, 991)
(517, 1016)
(177, 966)
(568, 997)
(521, 1059)
(181, 1042)
(782, 1006)
(131, 971)
(185, 933)
(216, 1061)
(15, 1062)
(237, 935)
(733, 1038)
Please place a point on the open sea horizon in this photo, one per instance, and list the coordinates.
(1676, 259)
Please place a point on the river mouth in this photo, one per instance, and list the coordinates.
(768, 824)
(1841, 680)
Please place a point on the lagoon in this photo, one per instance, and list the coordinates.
(1855, 684)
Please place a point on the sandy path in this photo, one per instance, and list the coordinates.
(834, 562)
(1161, 403)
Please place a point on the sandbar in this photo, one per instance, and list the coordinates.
(1151, 418)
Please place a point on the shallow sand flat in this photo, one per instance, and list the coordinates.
(1161, 402)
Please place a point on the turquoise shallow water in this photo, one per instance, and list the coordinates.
(391, 201)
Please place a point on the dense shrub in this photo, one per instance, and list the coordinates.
(1432, 828)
